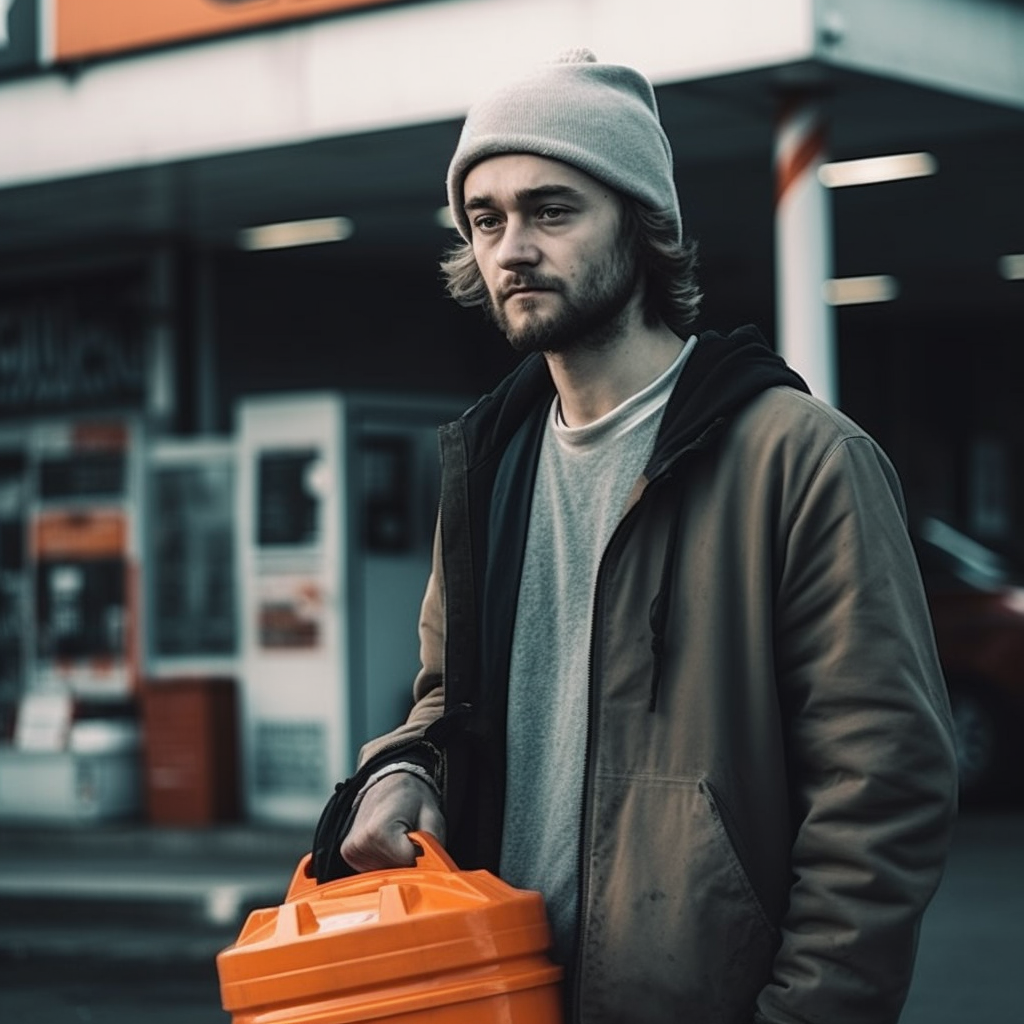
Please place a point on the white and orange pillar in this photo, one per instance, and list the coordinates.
(805, 325)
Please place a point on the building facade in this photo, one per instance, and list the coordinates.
(206, 203)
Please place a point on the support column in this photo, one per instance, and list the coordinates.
(204, 317)
(805, 326)
(161, 390)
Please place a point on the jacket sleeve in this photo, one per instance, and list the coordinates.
(411, 742)
(869, 744)
(428, 686)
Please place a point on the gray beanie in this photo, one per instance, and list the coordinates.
(600, 118)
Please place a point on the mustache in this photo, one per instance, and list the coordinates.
(524, 282)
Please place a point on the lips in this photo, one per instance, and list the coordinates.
(527, 289)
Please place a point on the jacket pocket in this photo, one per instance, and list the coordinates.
(672, 929)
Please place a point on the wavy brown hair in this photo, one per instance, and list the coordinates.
(668, 266)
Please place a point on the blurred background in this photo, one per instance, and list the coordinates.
(225, 348)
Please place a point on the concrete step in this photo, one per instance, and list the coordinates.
(138, 893)
(199, 899)
(83, 944)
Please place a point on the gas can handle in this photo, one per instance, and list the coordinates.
(430, 854)
(303, 881)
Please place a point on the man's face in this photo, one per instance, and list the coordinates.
(548, 240)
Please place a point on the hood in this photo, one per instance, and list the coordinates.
(724, 372)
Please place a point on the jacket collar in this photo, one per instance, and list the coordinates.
(724, 372)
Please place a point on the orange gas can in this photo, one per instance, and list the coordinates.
(423, 945)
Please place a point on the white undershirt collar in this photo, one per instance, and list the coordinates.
(625, 416)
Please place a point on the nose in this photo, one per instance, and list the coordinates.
(517, 246)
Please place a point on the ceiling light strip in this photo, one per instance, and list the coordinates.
(877, 169)
(289, 234)
(857, 291)
(1011, 267)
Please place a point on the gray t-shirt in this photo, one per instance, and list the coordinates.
(584, 477)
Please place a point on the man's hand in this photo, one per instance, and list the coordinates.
(391, 808)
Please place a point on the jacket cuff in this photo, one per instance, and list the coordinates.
(408, 768)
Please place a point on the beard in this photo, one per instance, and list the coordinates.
(591, 316)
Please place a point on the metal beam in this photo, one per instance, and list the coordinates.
(972, 48)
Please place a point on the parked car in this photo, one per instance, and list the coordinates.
(977, 603)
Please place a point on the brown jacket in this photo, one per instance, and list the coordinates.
(770, 783)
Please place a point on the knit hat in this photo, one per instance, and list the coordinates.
(600, 118)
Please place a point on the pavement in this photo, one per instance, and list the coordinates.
(116, 904)
(137, 892)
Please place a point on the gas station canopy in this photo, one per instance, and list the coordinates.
(118, 140)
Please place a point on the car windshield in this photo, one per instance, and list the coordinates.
(951, 558)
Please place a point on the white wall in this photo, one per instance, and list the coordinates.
(382, 68)
(422, 62)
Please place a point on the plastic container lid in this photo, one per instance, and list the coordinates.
(389, 942)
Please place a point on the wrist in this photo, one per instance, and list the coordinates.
(406, 768)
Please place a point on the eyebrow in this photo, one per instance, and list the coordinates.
(525, 195)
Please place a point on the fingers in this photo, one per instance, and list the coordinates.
(390, 809)
(375, 850)
(432, 820)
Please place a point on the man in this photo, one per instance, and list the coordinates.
(678, 672)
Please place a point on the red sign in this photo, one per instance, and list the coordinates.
(89, 28)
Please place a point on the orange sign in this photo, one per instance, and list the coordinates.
(88, 28)
(79, 535)
(99, 437)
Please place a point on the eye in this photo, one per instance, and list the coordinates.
(552, 213)
(486, 222)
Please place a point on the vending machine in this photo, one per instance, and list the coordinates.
(191, 596)
(338, 498)
(70, 520)
(84, 529)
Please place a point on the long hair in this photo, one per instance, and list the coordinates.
(668, 268)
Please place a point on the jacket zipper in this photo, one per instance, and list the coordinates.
(584, 838)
